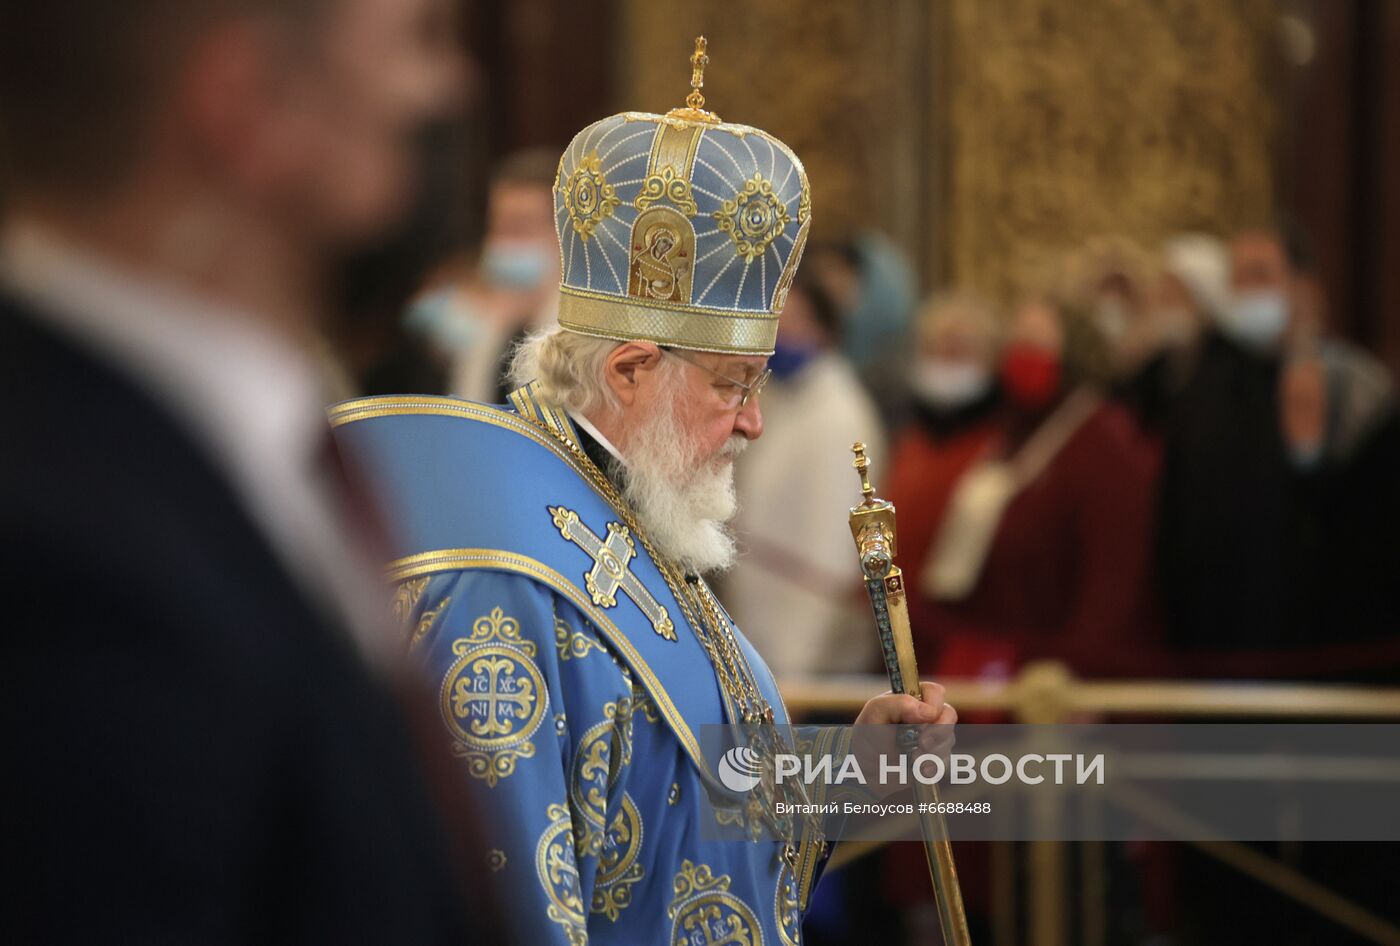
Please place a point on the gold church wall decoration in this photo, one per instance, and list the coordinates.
(986, 136)
(1067, 121)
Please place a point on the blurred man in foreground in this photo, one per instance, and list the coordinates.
(199, 750)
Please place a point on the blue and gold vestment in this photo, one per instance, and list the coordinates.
(570, 682)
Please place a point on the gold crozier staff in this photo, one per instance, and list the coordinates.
(872, 527)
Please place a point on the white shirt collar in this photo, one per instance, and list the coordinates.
(597, 435)
(240, 389)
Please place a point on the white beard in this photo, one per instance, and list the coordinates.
(682, 501)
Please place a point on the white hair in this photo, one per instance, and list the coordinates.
(568, 368)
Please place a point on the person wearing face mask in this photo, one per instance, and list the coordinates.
(1341, 424)
(1230, 506)
(955, 396)
(1152, 364)
(1113, 276)
(473, 319)
(1043, 549)
(1278, 501)
(873, 285)
(802, 606)
(206, 734)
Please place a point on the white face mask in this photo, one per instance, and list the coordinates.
(946, 384)
(1256, 319)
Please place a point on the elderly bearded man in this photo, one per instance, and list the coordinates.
(551, 551)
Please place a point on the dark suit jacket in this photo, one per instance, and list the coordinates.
(192, 755)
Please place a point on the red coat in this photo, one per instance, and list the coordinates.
(1068, 575)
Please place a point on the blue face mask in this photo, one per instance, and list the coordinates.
(1256, 319)
(442, 317)
(787, 360)
(515, 266)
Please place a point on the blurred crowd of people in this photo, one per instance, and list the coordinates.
(1148, 463)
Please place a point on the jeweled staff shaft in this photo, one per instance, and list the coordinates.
(872, 527)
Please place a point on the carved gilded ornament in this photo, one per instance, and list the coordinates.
(1075, 120)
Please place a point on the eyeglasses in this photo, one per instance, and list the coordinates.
(750, 391)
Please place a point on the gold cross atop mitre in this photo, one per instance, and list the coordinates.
(698, 62)
(694, 109)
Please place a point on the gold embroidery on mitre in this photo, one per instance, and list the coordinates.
(666, 186)
(493, 697)
(780, 291)
(669, 168)
(703, 907)
(588, 196)
(662, 261)
(804, 203)
(558, 873)
(754, 218)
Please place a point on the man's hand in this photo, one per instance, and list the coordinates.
(901, 708)
(932, 715)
